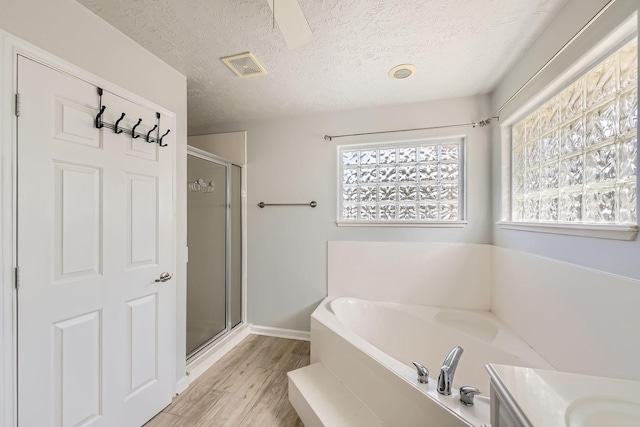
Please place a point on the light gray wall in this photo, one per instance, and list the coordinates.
(230, 146)
(619, 257)
(70, 31)
(289, 161)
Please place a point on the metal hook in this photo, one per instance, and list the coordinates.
(160, 140)
(115, 128)
(149, 133)
(133, 129)
(99, 117)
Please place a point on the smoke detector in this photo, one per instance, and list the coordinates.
(402, 71)
(244, 65)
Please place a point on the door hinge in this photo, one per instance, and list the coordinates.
(17, 278)
(17, 105)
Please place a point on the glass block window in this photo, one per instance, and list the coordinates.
(574, 159)
(417, 183)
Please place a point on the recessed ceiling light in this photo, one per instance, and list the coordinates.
(402, 71)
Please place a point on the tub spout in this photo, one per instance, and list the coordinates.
(448, 370)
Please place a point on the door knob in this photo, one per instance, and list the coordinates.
(163, 277)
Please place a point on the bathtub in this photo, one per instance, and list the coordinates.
(370, 345)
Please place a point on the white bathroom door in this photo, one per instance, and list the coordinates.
(95, 340)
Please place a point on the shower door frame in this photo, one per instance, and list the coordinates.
(207, 156)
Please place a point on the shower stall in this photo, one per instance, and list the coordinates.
(214, 239)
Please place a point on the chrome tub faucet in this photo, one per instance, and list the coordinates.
(467, 393)
(423, 373)
(448, 370)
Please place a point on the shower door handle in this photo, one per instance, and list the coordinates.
(163, 277)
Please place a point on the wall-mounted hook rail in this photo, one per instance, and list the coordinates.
(133, 130)
(116, 130)
(99, 123)
(149, 139)
(312, 204)
(134, 134)
(162, 137)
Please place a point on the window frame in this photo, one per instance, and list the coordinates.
(587, 61)
(461, 140)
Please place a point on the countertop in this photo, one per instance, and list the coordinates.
(552, 398)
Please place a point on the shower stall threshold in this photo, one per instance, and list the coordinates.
(215, 350)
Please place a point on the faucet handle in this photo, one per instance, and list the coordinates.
(467, 393)
(423, 373)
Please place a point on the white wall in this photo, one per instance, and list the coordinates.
(578, 319)
(289, 161)
(70, 31)
(620, 257)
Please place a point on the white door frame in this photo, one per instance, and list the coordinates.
(10, 48)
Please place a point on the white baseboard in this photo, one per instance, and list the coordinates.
(197, 367)
(182, 384)
(281, 333)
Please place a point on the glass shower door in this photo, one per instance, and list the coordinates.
(207, 242)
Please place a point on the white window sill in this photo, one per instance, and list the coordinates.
(430, 224)
(604, 231)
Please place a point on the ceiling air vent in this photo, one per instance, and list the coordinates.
(244, 65)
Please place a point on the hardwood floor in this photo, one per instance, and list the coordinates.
(247, 387)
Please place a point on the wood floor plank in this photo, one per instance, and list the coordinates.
(286, 415)
(247, 387)
(163, 420)
(195, 403)
(226, 365)
(219, 373)
(269, 353)
(305, 359)
(201, 409)
(290, 357)
(266, 407)
(282, 413)
(243, 400)
(252, 360)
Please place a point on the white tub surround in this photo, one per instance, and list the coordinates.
(452, 275)
(541, 398)
(576, 318)
(579, 319)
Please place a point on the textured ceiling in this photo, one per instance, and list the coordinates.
(460, 47)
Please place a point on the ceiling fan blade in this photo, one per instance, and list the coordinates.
(292, 23)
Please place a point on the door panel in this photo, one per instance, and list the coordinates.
(78, 369)
(73, 122)
(142, 216)
(95, 343)
(143, 331)
(77, 220)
